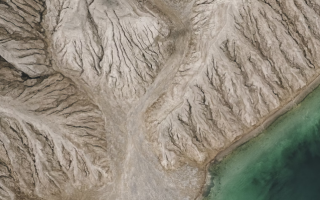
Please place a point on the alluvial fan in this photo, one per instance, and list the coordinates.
(131, 99)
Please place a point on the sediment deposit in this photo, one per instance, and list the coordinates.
(131, 99)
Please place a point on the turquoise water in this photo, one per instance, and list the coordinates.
(282, 163)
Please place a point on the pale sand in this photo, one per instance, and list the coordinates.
(255, 131)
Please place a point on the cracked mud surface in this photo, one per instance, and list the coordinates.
(111, 99)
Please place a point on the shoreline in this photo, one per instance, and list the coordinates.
(259, 128)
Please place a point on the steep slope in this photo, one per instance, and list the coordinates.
(248, 59)
(113, 45)
(52, 138)
(22, 40)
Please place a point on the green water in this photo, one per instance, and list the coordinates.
(283, 163)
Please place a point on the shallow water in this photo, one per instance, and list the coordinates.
(282, 163)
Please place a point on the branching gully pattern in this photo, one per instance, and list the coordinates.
(132, 99)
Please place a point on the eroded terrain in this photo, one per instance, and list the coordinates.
(131, 99)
